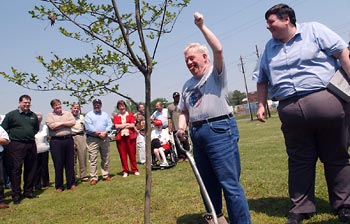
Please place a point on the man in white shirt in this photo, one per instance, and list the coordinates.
(4, 140)
(160, 114)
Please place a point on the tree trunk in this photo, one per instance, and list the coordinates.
(147, 208)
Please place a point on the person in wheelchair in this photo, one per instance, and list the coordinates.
(160, 142)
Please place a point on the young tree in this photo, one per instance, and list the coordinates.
(236, 97)
(121, 43)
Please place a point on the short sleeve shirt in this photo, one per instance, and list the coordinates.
(173, 115)
(206, 97)
(302, 65)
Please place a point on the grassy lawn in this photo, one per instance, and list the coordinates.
(175, 194)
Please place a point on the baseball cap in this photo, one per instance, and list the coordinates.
(176, 94)
(97, 101)
(157, 122)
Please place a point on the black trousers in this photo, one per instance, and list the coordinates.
(42, 178)
(62, 153)
(18, 155)
(315, 127)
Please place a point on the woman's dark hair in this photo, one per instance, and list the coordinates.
(281, 11)
(54, 101)
(121, 102)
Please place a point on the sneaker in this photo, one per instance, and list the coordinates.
(164, 164)
(137, 173)
(125, 174)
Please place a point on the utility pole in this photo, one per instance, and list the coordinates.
(246, 89)
(267, 104)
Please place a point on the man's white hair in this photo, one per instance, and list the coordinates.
(199, 47)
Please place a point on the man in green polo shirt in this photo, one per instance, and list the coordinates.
(21, 125)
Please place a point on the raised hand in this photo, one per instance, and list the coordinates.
(198, 19)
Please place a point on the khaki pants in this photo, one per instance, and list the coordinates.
(80, 152)
(95, 146)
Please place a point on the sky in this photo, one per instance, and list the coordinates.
(239, 25)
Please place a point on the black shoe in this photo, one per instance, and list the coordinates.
(46, 185)
(30, 196)
(297, 218)
(344, 215)
(85, 179)
(16, 200)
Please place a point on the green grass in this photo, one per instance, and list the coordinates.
(175, 194)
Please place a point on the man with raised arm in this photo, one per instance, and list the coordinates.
(213, 128)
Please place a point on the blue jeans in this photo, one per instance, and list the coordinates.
(217, 158)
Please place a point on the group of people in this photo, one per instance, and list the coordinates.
(294, 69)
(69, 137)
(165, 122)
(160, 137)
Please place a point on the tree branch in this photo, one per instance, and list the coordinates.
(132, 56)
(88, 31)
(142, 39)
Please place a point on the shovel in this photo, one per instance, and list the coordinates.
(199, 180)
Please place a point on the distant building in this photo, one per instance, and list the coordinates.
(253, 96)
(253, 101)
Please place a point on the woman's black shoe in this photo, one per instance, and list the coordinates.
(344, 215)
(297, 218)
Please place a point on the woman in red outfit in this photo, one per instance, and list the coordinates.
(124, 122)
